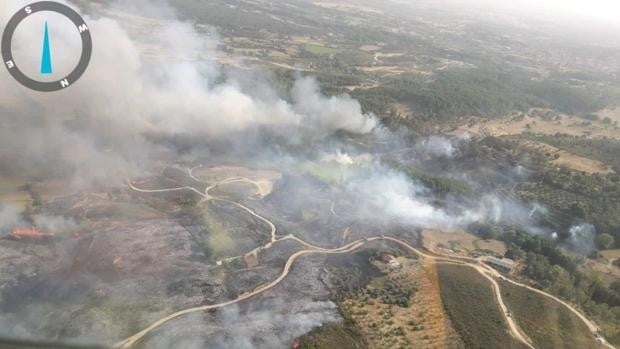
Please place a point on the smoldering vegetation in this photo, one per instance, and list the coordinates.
(133, 112)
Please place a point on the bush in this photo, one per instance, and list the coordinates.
(605, 241)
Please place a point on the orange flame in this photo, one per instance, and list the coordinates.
(29, 233)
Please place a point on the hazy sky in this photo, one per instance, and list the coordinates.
(609, 9)
(599, 9)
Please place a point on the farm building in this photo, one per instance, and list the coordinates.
(502, 263)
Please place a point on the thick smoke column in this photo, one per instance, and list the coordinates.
(97, 130)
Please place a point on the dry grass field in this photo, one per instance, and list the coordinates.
(423, 324)
(568, 159)
(514, 125)
(458, 242)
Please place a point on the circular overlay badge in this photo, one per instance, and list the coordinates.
(81, 27)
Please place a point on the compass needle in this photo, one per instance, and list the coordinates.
(66, 79)
(46, 59)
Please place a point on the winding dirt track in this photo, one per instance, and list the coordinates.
(514, 328)
(590, 324)
(129, 342)
(482, 268)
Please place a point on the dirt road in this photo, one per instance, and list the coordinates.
(514, 329)
(488, 272)
(129, 342)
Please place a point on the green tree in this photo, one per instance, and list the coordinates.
(605, 241)
(561, 282)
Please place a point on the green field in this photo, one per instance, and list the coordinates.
(555, 327)
(331, 173)
(219, 241)
(470, 303)
(320, 50)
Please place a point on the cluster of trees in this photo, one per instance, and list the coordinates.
(591, 197)
(572, 196)
(602, 149)
(440, 186)
(481, 91)
(557, 271)
(393, 293)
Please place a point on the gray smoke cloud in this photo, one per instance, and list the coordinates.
(135, 86)
(10, 218)
(54, 224)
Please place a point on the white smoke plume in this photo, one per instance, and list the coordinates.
(136, 86)
(581, 238)
(440, 146)
(393, 196)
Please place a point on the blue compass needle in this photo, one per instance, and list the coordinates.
(46, 59)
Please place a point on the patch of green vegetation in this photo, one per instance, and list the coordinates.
(320, 49)
(379, 282)
(391, 291)
(556, 327)
(488, 91)
(328, 172)
(439, 185)
(341, 336)
(470, 303)
(219, 242)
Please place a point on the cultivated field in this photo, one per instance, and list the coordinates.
(564, 158)
(470, 303)
(555, 327)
